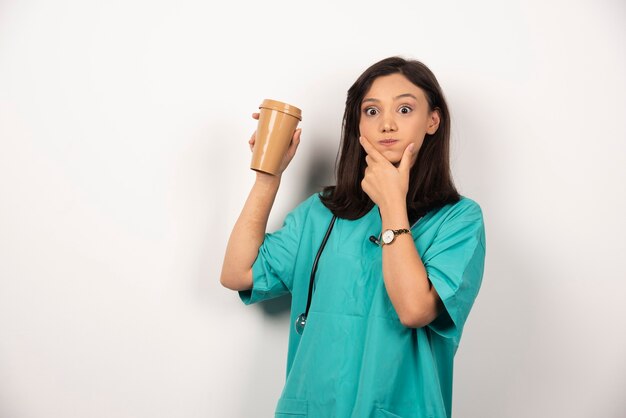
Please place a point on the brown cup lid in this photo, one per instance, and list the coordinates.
(282, 107)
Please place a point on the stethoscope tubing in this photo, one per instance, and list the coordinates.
(301, 320)
(317, 259)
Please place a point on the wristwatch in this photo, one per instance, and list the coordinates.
(390, 235)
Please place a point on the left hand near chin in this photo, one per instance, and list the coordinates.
(383, 182)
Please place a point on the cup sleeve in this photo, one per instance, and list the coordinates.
(273, 269)
(455, 265)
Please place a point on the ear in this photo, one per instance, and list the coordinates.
(433, 122)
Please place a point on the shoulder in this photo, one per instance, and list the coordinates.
(463, 215)
(465, 210)
(311, 206)
(312, 203)
(458, 222)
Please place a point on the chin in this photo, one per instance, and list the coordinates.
(392, 157)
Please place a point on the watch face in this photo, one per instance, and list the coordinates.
(388, 236)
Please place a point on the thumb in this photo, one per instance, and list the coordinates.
(405, 162)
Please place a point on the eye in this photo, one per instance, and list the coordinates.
(405, 109)
(370, 111)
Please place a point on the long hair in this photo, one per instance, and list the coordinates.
(430, 178)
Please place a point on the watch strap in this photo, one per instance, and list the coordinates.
(396, 232)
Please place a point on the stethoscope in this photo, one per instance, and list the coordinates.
(301, 319)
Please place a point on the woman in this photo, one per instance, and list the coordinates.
(401, 266)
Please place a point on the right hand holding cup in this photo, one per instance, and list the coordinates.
(276, 139)
(291, 151)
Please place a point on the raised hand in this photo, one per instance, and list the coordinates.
(291, 151)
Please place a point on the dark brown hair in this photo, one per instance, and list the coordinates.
(430, 179)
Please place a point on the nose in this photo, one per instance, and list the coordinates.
(388, 123)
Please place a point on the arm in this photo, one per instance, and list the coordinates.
(249, 230)
(413, 297)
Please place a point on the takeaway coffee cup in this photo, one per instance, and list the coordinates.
(277, 124)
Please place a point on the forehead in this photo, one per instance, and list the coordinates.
(391, 86)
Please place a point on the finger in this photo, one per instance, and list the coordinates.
(365, 180)
(369, 149)
(405, 162)
(256, 115)
(366, 174)
(295, 141)
(296, 134)
(252, 140)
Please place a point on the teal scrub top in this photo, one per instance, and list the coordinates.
(354, 358)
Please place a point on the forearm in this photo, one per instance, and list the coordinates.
(248, 233)
(406, 280)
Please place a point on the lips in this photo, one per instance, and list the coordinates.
(388, 142)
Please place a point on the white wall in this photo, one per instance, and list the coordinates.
(124, 163)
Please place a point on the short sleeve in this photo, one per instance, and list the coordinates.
(455, 264)
(273, 269)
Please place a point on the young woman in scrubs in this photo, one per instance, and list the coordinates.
(387, 313)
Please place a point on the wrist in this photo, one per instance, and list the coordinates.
(392, 205)
(394, 215)
(267, 180)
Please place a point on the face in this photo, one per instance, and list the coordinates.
(394, 114)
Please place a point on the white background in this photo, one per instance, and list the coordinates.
(124, 164)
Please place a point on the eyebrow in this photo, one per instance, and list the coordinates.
(371, 99)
